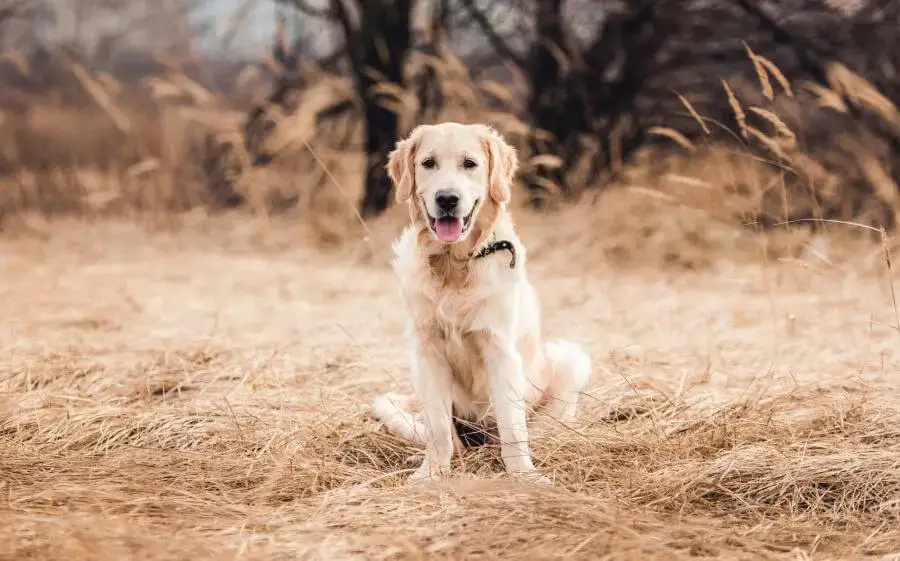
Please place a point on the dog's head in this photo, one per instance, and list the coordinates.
(450, 173)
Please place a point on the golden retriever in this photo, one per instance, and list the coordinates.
(474, 327)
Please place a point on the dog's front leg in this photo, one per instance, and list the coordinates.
(503, 364)
(434, 387)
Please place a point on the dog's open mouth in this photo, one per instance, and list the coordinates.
(450, 229)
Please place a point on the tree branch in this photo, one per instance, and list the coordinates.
(351, 39)
(343, 16)
(303, 7)
(488, 30)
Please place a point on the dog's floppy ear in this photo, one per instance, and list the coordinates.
(503, 162)
(401, 165)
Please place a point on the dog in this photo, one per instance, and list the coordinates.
(474, 328)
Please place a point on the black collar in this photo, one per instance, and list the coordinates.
(495, 246)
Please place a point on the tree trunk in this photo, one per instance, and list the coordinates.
(547, 99)
(381, 135)
(636, 38)
(385, 40)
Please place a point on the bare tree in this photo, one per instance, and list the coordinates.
(578, 90)
(377, 46)
(436, 41)
(597, 85)
(623, 80)
(375, 41)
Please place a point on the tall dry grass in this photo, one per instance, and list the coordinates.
(203, 394)
(171, 145)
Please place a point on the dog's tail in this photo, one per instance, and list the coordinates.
(570, 370)
(389, 409)
(571, 358)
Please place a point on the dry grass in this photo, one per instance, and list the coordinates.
(167, 144)
(201, 393)
(188, 386)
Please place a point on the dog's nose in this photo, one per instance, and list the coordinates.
(446, 200)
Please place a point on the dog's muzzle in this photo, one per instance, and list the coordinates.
(449, 227)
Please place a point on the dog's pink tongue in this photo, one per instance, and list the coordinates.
(448, 229)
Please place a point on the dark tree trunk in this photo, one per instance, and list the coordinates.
(381, 135)
(592, 93)
(428, 88)
(548, 99)
(635, 38)
(384, 42)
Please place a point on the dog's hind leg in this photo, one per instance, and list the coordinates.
(390, 409)
(569, 371)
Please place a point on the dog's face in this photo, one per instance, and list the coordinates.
(451, 172)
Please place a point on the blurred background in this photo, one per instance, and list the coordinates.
(753, 113)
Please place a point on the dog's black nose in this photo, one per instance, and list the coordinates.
(446, 200)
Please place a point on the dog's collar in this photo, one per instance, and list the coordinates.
(498, 245)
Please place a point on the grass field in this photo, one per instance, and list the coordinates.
(178, 382)
(201, 392)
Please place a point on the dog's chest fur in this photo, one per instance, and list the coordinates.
(456, 304)
(459, 323)
(465, 357)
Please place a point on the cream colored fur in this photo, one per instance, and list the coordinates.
(474, 328)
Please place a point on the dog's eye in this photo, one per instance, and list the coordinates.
(469, 163)
(429, 163)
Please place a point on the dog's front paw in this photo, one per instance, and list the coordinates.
(424, 475)
(532, 476)
(418, 478)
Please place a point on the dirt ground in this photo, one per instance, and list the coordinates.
(202, 393)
